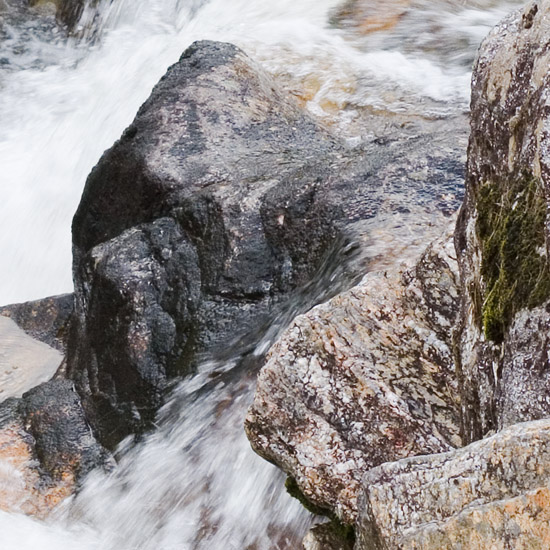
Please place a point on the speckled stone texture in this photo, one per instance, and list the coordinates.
(502, 234)
(364, 379)
(46, 448)
(490, 494)
(45, 320)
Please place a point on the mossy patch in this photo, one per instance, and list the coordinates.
(511, 226)
(341, 530)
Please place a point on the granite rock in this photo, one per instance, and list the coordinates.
(502, 235)
(363, 379)
(490, 494)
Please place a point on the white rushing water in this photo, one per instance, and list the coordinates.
(70, 102)
(194, 483)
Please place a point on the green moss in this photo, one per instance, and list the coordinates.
(510, 226)
(343, 531)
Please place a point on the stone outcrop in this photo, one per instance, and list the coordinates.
(490, 494)
(502, 234)
(364, 379)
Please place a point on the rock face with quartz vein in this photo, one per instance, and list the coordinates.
(363, 379)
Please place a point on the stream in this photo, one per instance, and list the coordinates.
(194, 483)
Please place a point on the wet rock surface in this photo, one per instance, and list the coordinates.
(24, 361)
(324, 537)
(190, 229)
(46, 448)
(63, 439)
(502, 235)
(219, 201)
(490, 494)
(44, 320)
(364, 379)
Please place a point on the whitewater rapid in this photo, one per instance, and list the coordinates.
(69, 100)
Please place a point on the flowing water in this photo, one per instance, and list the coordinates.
(194, 483)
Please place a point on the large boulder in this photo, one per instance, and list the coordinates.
(502, 234)
(190, 230)
(220, 201)
(363, 379)
(491, 494)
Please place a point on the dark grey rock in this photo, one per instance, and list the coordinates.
(63, 440)
(45, 320)
(190, 229)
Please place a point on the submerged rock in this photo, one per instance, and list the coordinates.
(364, 379)
(492, 494)
(502, 235)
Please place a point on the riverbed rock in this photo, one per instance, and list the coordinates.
(46, 448)
(24, 361)
(491, 494)
(363, 379)
(45, 320)
(502, 235)
(190, 230)
(369, 16)
(67, 12)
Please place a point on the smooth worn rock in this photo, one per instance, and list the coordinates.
(190, 229)
(502, 233)
(45, 320)
(364, 379)
(490, 494)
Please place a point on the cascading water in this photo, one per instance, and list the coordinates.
(194, 483)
